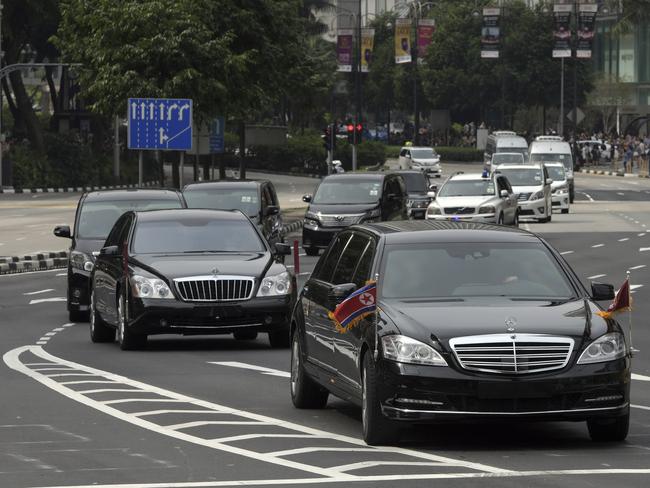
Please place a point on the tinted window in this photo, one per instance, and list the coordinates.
(353, 191)
(114, 238)
(467, 188)
(349, 260)
(473, 270)
(556, 172)
(362, 273)
(415, 182)
(244, 199)
(196, 235)
(523, 177)
(425, 153)
(327, 263)
(508, 158)
(97, 218)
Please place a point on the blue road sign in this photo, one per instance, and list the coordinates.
(160, 123)
(217, 129)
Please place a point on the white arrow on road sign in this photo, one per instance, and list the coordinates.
(170, 110)
(163, 137)
(183, 108)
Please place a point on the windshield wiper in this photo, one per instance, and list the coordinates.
(216, 251)
(425, 300)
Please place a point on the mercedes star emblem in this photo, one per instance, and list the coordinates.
(510, 324)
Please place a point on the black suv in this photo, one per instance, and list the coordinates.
(255, 198)
(467, 321)
(96, 213)
(419, 192)
(351, 198)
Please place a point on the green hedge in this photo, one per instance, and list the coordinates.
(464, 154)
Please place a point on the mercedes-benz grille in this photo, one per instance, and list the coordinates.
(512, 353)
(215, 288)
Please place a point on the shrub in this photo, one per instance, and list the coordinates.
(461, 154)
(369, 153)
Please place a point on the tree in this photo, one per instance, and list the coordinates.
(607, 97)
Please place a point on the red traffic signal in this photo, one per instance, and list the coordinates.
(359, 127)
(350, 128)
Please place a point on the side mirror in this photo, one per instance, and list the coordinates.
(391, 196)
(306, 198)
(271, 210)
(602, 291)
(433, 188)
(282, 249)
(62, 231)
(109, 251)
(431, 195)
(504, 193)
(549, 181)
(339, 293)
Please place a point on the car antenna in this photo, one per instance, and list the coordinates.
(376, 353)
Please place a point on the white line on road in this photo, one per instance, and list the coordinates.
(29, 273)
(642, 407)
(641, 234)
(598, 245)
(640, 377)
(595, 276)
(624, 239)
(566, 252)
(620, 193)
(261, 369)
(634, 287)
(644, 249)
(61, 274)
(638, 267)
(43, 300)
(39, 291)
(588, 196)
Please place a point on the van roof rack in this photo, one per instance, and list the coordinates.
(504, 133)
(548, 138)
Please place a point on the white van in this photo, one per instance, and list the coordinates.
(554, 149)
(504, 141)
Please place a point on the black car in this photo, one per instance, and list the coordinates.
(96, 213)
(189, 272)
(473, 322)
(351, 198)
(419, 192)
(255, 198)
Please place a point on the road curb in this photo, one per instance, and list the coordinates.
(36, 265)
(78, 189)
(35, 257)
(292, 226)
(612, 173)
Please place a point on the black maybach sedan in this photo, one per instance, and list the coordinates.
(189, 272)
(473, 322)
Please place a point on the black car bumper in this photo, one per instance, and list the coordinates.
(78, 290)
(154, 316)
(318, 237)
(428, 393)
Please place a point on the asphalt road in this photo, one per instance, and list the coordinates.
(190, 412)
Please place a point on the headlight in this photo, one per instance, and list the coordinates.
(81, 260)
(562, 190)
(537, 195)
(406, 350)
(311, 216)
(606, 348)
(488, 209)
(310, 223)
(433, 210)
(143, 287)
(275, 285)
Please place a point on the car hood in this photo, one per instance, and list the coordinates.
(342, 209)
(527, 189)
(185, 265)
(426, 161)
(88, 246)
(418, 196)
(445, 320)
(558, 184)
(462, 201)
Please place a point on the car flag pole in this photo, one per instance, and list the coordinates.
(376, 354)
(629, 314)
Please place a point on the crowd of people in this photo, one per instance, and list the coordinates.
(624, 153)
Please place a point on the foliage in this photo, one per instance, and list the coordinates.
(369, 153)
(300, 154)
(459, 154)
(608, 95)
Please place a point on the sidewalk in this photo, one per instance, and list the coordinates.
(611, 170)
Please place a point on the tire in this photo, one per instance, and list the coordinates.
(311, 251)
(245, 335)
(78, 316)
(500, 219)
(571, 197)
(515, 222)
(99, 330)
(128, 340)
(609, 429)
(377, 429)
(305, 392)
(565, 210)
(279, 339)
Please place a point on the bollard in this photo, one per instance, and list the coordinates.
(296, 258)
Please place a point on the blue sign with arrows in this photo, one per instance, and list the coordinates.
(217, 129)
(160, 123)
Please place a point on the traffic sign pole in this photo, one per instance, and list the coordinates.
(140, 167)
(181, 170)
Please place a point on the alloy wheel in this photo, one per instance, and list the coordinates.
(120, 319)
(92, 312)
(295, 364)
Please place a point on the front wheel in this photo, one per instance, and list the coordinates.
(99, 330)
(128, 340)
(565, 210)
(279, 339)
(609, 429)
(377, 429)
(500, 219)
(78, 316)
(515, 221)
(311, 251)
(305, 392)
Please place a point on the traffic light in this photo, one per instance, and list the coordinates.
(359, 129)
(327, 138)
(350, 130)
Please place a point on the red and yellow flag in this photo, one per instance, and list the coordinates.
(622, 301)
(355, 308)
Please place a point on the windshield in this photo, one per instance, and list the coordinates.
(520, 150)
(246, 200)
(523, 177)
(473, 269)
(425, 153)
(195, 235)
(565, 159)
(467, 188)
(415, 182)
(97, 218)
(556, 173)
(507, 158)
(340, 192)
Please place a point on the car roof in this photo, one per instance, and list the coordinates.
(133, 194)
(432, 231)
(188, 213)
(233, 183)
(407, 172)
(553, 163)
(417, 147)
(519, 166)
(505, 153)
(356, 176)
(469, 176)
(560, 147)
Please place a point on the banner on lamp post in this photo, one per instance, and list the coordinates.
(344, 49)
(562, 31)
(426, 28)
(367, 45)
(586, 24)
(403, 41)
(490, 33)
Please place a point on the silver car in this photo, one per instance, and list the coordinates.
(532, 185)
(424, 159)
(476, 198)
(559, 187)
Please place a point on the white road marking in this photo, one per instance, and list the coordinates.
(566, 252)
(640, 377)
(644, 249)
(40, 343)
(372, 464)
(43, 300)
(262, 369)
(620, 193)
(105, 390)
(640, 407)
(637, 267)
(39, 291)
(634, 287)
(598, 245)
(141, 400)
(595, 276)
(61, 274)
(200, 423)
(624, 239)
(12, 359)
(526, 227)
(641, 235)
(160, 412)
(588, 196)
